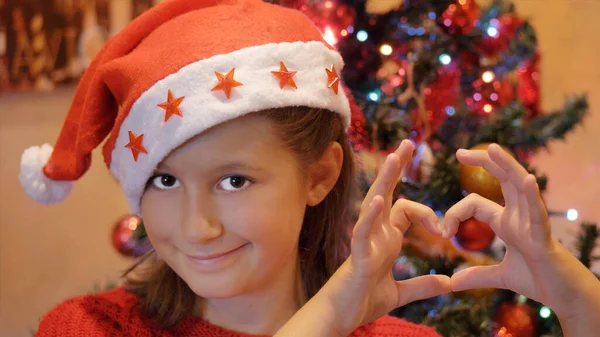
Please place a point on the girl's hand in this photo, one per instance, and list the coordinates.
(363, 289)
(535, 264)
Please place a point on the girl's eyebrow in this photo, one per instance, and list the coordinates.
(236, 166)
(162, 166)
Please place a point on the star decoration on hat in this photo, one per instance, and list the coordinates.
(226, 82)
(171, 106)
(285, 76)
(333, 80)
(135, 144)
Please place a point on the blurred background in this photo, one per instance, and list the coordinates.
(49, 254)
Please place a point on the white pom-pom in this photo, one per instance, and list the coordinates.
(37, 186)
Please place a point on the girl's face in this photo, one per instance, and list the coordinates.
(225, 210)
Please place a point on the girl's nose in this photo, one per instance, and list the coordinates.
(200, 223)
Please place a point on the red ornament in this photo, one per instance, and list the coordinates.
(136, 146)
(441, 94)
(475, 235)
(332, 18)
(506, 27)
(460, 18)
(514, 320)
(528, 86)
(125, 237)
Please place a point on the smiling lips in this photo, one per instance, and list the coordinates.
(214, 256)
(206, 263)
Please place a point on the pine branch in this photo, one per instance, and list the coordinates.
(586, 242)
(555, 125)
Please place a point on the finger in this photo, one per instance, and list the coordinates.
(383, 180)
(478, 277)
(480, 158)
(538, 215)
(473, 205)
(422, 287)
(516, 173)
(404, 153)
(361, 234)
(406, 212)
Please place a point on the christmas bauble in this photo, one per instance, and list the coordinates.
(128, 237)
(382, 6)
(460, 18)
(475, 179)
(475, 235)
(514, 319)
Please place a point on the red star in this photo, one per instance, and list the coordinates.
(135, 144)
(285, 76)
(171, 106)
(226, 82)
(333, 79)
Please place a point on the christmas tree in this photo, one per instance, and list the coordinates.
(448, 74)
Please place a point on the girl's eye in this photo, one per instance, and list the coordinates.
(164, 182)
(234, 183)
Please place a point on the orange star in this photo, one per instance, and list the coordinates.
(135, 144)
(226, 82)
(285, 76)
(171, 106)
(333, 79)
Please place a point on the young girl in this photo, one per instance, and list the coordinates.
(226, 128)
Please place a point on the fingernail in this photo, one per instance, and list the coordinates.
(462, 151)
(440, 227)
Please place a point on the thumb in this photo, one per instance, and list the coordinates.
(478, 277)
(422, 287)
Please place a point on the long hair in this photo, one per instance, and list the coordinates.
(323, 243)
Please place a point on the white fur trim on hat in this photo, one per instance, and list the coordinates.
(33, 180)
(202, 108)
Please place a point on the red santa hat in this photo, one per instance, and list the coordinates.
(175, 71)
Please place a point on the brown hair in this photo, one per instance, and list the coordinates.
(323, 244)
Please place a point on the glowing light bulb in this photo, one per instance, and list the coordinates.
(329, 36)
(445, 59)
(386, 49)
(362, 36)
(488, 76)
(373, 96)
(572, 214)
(545, 312)
(492, 31)
(487, 108)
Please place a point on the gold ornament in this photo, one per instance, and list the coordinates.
(382, 6)
(475, 179)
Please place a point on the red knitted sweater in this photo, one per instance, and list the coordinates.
(113, 313)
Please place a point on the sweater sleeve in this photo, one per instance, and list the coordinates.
(389, 326)
(105, 314)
